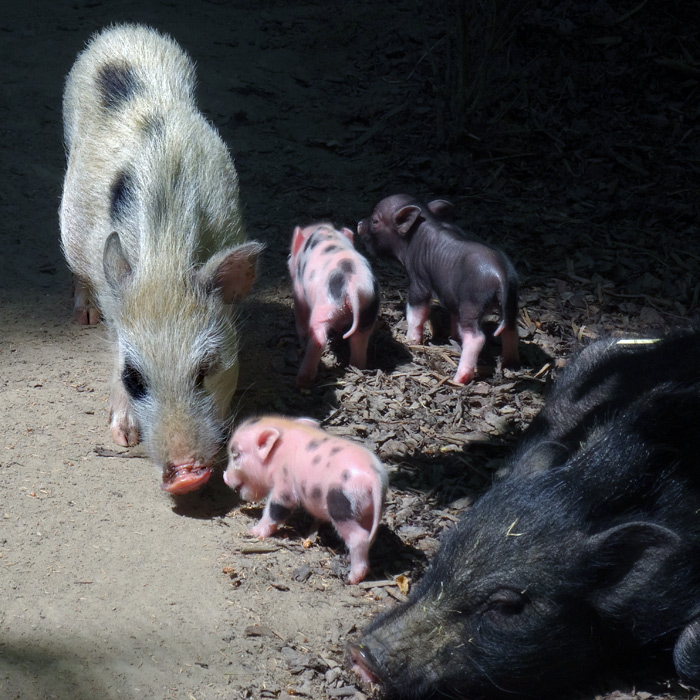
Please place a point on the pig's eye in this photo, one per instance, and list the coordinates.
(506, 602)
(205, 369)
(134, 382)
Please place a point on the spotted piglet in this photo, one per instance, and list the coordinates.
(294, 462)
(334, 289)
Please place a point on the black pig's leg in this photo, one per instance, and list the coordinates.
(686, 654)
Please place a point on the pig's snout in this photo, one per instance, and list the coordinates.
(361, 661)
(184, 478)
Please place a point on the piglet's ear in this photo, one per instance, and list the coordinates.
(406, 217)
(348, 234)
(231, 272)
(264, 442)
(297, 240)
(626, 559)
(308, 421)
(441, 208)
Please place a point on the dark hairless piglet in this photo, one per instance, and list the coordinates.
(468, 277)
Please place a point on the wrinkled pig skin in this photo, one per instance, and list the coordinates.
(295, 463)
(576, 563)
(468, 277)
(334, 289)
(151, 228)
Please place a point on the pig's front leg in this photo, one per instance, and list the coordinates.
(124, 427)
(273, 516)
(301, 318)
(84, 307)
(316, 343)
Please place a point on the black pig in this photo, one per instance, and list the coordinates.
(588, 554)
(468, 277)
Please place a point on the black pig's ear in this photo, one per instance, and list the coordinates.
(405, 217)
(626, 559)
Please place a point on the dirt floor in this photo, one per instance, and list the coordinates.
(579, 157)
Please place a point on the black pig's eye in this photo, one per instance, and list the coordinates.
(506, 602)
(134, 382)
(205, 369)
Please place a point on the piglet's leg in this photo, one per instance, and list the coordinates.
(416, 316)
(472, 343)
(273, 516)
(359, 341)
(357, 540)
(509, 343)
(314, 349)
(301, 319)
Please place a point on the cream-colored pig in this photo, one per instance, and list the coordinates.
(151, 227)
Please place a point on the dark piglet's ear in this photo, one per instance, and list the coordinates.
(406, 217)
(114, 263)
(441, 208)
(626, 559)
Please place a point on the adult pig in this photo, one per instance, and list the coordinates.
(334, 289)
(151, 228)
(468, 277)
(557, 572)
(294, 462)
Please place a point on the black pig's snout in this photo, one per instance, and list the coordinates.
(361, 661)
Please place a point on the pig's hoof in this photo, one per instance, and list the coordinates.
(124, 431)
(87, 315)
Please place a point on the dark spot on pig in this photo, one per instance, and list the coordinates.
(311, 242)
(312, 275)
(286, 497)
(285, 470)
(347, 266)
(332, 248)
(335, 450)
(313, 444)
(339, 506)
(122, 196)
(134, 382)
(368, 315)
(278, 511)
(117, 84)
(316, 459)
(316, 493)
(336, 285)
(345, 476)
(303, 489)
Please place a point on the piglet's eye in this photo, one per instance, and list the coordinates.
(134, 382)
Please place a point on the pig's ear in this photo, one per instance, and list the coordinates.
(265, 440)
(406, 217)
(348, 234)
(626, 559)
(297, 240)
(441, 208)
(114, 263)
(231, 272)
